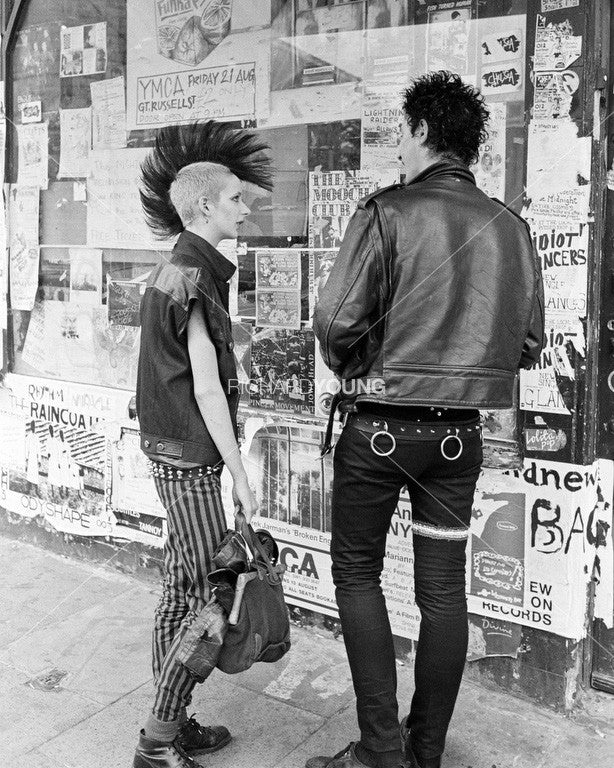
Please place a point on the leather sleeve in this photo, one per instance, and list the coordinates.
(351, 301)
(534, 341)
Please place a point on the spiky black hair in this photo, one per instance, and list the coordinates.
(179, 145)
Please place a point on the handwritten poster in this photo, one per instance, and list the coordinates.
(75, 142)
(114, 212)
(33, 155)
(108, 113)
(24, 248)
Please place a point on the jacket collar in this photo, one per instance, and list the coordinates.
(193, 245)
(444, 168)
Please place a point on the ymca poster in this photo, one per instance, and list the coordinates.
(196, 60)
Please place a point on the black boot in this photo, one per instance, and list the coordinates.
(161, 754)
(413, 760)
(197, 739)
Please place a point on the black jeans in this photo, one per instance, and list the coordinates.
(365, 494)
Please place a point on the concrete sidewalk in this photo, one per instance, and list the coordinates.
(75, 687)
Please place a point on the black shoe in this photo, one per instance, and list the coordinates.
(161, 754)
(410, 756)
(196, 739)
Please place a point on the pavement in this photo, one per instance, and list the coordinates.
(75, 687)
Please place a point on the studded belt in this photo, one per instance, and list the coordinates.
(167, 472)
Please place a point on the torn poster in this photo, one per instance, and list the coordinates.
(556, 46)
(548, 386)
(557, 158)
(552, 94)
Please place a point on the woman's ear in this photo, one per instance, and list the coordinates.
(203, 206)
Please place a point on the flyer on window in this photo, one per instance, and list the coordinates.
(75, 142)
(108, 113)
(23, 245)
(333, 198)
(83, 50)
(33, 155)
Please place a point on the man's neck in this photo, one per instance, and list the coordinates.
(429, 161)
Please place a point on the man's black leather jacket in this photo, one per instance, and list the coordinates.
(435, 297)
(195, 278)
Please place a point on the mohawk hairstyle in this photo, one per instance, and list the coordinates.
(179, 145)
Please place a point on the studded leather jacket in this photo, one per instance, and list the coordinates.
(194, 279)
(435, 297)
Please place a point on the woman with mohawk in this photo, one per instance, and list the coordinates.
(187, 397)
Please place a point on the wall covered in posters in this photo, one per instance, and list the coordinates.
(322, 83)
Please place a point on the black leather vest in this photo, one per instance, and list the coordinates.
(194, 279)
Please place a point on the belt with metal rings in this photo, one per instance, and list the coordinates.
(392, 438)
(460, 447)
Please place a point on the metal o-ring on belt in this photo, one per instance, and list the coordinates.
(393, 442)
(460, 447)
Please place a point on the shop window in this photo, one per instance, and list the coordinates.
(320, 80)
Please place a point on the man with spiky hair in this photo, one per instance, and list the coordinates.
(435, 296)
(187, 398)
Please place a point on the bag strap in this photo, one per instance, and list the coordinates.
(254, 544)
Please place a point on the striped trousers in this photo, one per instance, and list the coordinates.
(196, 524)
